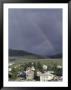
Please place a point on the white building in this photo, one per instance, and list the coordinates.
(59, 66)
(9, 69)
(29, 73)
(32, 68)
(44, 67)
(46, 76)
(11, 63)
(38, 73)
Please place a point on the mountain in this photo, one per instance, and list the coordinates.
(13, 52)
(56, 56)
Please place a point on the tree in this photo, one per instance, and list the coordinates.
(39, 66)
(21, 68)
(54, 67)
(57, 71)
(25, 66)
(29, 64)
(14, 73)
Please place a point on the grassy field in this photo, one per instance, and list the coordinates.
(21, 60)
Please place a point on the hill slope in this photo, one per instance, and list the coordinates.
(18, 53)
(23, 53)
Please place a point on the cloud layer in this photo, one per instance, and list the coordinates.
(38, 31)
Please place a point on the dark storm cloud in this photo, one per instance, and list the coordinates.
(36, 30)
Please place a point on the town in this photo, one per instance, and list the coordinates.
(34, 71)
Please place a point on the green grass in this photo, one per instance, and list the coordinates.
(22, 60)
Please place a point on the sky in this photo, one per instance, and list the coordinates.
(37, 31)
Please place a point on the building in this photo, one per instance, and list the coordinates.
(38, 73)
(9, 69)
(30, 73)
(22, 75)
(47, 76)
(59, 66)
(11, 63)
(44, 67)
